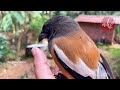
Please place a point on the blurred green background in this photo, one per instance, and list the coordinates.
(21, 28)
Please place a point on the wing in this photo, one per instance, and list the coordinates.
(78, 57)
(61, 67)
(70, 71)
(107, 67)
(79, 47)
(78, 54)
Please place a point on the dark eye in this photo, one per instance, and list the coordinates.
(46, 30)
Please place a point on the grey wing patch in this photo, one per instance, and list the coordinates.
(101, 72)
(107, 67)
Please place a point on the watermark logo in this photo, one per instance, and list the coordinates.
(107, 23)
(16, 62)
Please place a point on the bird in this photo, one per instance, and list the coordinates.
(73, 51)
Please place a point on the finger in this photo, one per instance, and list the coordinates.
(42, 69)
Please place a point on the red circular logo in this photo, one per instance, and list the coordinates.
(107, 23)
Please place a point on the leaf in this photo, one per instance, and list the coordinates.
(23, 13)
(1, 54)
(19, 15)
(6, 22)
(1, 47)
(37, 14)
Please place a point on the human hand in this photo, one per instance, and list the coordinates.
(42, 69)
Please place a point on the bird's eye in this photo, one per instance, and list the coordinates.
(45, 30)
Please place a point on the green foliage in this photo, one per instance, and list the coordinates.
(6, 53)
(99, 44)
(19, 16)
(117, 34)
(112, 55)
(115, 51)
(60, 13)
(4, 48)
(117, 38)
(6, 22)
(117, 29)
(37, 22)
(116, 13)
(11, 19)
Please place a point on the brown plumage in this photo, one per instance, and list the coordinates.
(87, 51)
(73, 50)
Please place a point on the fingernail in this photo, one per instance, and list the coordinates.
(34, 51)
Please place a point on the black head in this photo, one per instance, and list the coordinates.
(57, 26)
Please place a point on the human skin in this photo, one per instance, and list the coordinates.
(41, 67)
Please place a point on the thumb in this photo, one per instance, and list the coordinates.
(42, 69)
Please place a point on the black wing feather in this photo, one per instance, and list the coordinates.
(107, 67)
(72, 72)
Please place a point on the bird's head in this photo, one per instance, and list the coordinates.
(57, 26)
